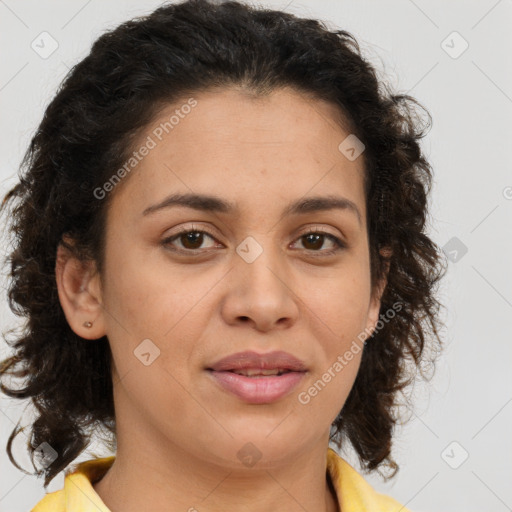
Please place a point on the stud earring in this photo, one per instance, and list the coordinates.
(87, 324)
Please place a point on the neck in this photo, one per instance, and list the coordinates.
(182, 482)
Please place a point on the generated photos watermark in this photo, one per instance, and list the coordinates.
(343, 360)
(150, 143)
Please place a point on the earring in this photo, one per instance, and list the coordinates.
(87, 324)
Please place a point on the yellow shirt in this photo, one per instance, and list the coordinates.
(78, 495)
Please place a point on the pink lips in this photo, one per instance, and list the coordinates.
(258, 389)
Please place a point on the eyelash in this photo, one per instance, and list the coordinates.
(318, 231)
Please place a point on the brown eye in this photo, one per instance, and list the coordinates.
(188, 241)
(192, 239)
(314, 241)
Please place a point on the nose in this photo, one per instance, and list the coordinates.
(260, 292)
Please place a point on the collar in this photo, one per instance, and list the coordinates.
(353, 493)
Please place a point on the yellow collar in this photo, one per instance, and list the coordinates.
(354, 494)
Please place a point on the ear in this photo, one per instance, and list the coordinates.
(79, 289)
(375, 302)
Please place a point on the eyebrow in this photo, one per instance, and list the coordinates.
(208, 203)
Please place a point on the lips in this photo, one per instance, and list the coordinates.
(249, 363)
(258, 378)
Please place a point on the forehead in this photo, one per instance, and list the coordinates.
(284, 145)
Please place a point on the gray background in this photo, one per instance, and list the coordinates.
(456, 451)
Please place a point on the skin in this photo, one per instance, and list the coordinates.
(178, 431)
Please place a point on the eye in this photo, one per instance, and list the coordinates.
(191, 240)
(315, 238)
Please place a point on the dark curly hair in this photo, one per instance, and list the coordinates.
(89, 129)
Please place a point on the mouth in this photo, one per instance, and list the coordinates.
(257, 388)
(258, 378)
(250, 361)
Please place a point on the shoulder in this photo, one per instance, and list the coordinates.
(52, 502)
(78, 494)
(354, 492)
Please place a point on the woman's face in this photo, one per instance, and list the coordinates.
(253, 281)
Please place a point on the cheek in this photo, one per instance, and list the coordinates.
(326, 392)
(158, 312)
(341, 301)
(338, 308)
(150, 300)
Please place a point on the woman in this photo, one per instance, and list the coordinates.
(220, 248)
